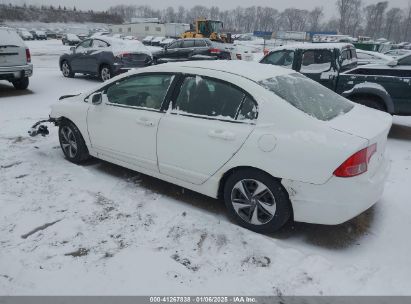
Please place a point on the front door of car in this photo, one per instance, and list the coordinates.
(317, 65)
(124, 126)
(172, 50)
(208, 124)
(78, 58)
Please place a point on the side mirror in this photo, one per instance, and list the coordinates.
(96, 98)
(392, 63)
(73, 49)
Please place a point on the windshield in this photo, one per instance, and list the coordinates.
(308, 96)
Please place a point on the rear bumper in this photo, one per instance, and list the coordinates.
(16, 72)
(338, 200)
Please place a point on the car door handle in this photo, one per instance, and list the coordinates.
(143, 121)
(221, 134)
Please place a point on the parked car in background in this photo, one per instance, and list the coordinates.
(167, 41)
(104, 57)
(70, 39)
(156, 41)
(82, 36)
(147, 40)
(397, 53)
(51, 34)
(274, 157)
(40, 35)
(15, 59)
(26, 35)
(385, 87)
(191, 49)
(367, 57)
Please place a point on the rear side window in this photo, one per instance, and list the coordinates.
(145, 91)
(210, 97)
(188, 43)
(282, 58)
(200, 43)
(316, 61)
(308, 96)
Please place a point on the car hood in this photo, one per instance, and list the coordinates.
(363, 122)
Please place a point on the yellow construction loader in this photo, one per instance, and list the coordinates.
(211, 29)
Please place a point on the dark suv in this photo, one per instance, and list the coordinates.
(192, 49)
(104, 57)
(385, 87)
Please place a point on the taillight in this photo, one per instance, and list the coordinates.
(28, 56)
(238, 56)
(215, 51)
(122, 55)
(357, 164)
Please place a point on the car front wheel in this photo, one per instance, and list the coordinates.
(72, 143)
(257, 201)
(66, 69)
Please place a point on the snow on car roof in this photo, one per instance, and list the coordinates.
(252, 70)
(310, 46)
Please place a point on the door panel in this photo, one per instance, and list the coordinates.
(125, 124)
(204, 129)
(193, 149)
(125, 133)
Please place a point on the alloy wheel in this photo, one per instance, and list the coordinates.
(66, 69)
(253, 201)
(68, 142)
(105, 74)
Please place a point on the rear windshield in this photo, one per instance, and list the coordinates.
(308, 96)
(10, 38)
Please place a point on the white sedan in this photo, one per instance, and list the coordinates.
(273, 144)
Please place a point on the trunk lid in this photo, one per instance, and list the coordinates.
(12, 49)
(370, 124)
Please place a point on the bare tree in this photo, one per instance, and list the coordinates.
(314, 18)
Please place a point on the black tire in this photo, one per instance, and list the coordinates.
(66, 69)
(275, 198)
(72, 143)
(21, 84)
(370, 102)
(105, 72)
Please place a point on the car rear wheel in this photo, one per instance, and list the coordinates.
(72, 143)
(66, 69)
(257, 201)
(105, 72)
(21, 84)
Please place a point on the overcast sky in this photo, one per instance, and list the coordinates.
(329, 5)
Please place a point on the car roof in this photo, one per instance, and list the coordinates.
(251, 70)
(315, 46)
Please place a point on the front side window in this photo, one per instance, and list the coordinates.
(308, 96)
(209, 97)
(85, 44)
(282, 58)
(188, 43)
(405, 60)
(144, 91)
(316, 61)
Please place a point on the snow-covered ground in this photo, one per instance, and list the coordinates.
(107, 230)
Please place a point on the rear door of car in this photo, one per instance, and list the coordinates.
(201, 47)
(94, 55)
(209, 122)
(12, 49)
(79, 57)
(187, 48)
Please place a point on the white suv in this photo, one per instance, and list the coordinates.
(15, 59)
